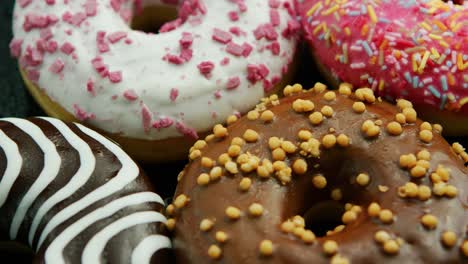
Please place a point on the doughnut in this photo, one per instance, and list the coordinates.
(155, 94)
(323, 176)
(416, 50)
(73, 196)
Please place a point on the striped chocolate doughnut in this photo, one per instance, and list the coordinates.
(75, 197)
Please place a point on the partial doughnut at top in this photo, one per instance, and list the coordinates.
(417, 50)
(260, 190)
(73, 196)
(219, 57)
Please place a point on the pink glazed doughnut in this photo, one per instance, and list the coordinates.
(83, 61)
(415, 49)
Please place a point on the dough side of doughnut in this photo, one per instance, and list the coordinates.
(250, 190)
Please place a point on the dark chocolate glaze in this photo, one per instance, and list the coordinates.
(119, 248)
(378, 157)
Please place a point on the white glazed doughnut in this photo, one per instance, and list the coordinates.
(217, 58)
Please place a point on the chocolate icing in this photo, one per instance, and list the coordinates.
(119, 248)
(378, 157)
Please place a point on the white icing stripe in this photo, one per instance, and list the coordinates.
(93, 250)
(14, 162)
(148, 247)
(49, 172)
(87, 166)
(128, 173)
(54, 253)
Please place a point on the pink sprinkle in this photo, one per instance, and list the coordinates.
(233, 83)
(221, 36)
(130, 95)
(50, 2)
(78, 18)
(103, 47)
(242, 6)
(275, 79)
(274, 17)
(234, 49)
(128, 41)
(33, 75)
(52, 19)
(98, 64)
(41, 45)
(174, 94)
(15, 47)
(256, 73)
(236, 30)
(52, 46)
(186, 54)
(67, 17)
(146, 117)
(46, 34)
(57, 66)
(266, 30)
(104, 73)
(116, 36)
(24, 3)
(90, 87)
(165, 122)
(186, 40)
(100, 36)
(206, 67)
(247, 49)
(80, 113)
(186, 131)
(169, 26)
(274, 3)
(174, 59)
(275, 48)
(291, 9)
(233, 15)
(91, 7)
(225, 61)
(35, 21)
(267, 86)
(67, 48)
(115, 77)
(115, 4)
(217, 94)
(292, 29)
(33, 57)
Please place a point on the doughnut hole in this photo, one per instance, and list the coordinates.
(323, 216)
(152, 17)
(320, 207)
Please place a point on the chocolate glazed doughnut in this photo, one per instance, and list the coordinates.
(75, 197)
(255, 191)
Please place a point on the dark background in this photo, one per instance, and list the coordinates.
(15, 101)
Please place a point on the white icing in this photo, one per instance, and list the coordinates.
(87, 166)
(148, 247)
(14, 162)
(54, 253)
(128, 173)
(49, 171)
(150, 77)
(94, 248)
